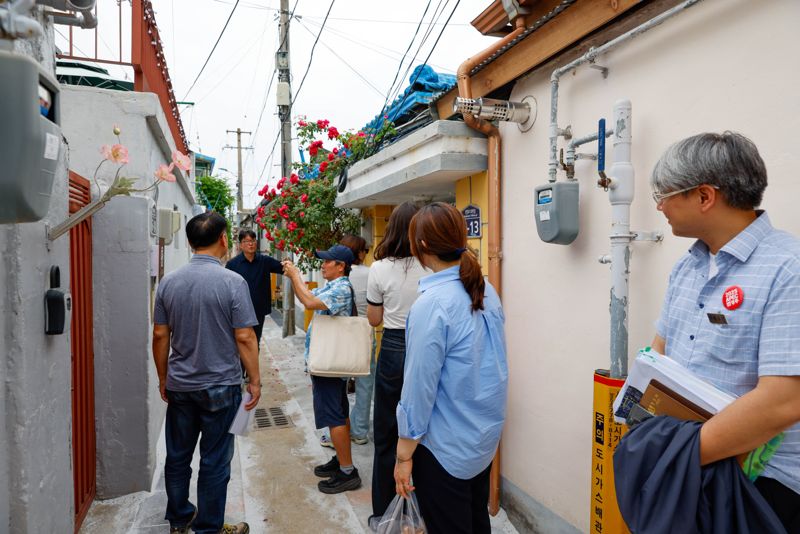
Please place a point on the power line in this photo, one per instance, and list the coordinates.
(212, 50)
(348, 65)
(400, 66)
(394, 55)
(311, 56)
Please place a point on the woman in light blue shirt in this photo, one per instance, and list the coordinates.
(453, 403)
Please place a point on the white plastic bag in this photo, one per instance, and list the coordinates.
(402, 517)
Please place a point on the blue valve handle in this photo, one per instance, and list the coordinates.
(601, 146)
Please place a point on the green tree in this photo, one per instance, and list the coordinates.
(216, 195)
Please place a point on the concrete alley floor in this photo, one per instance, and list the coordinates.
(272, 485)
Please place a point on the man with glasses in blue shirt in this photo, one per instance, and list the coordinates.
(255, 268)
(732, 309)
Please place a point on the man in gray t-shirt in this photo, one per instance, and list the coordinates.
(203, 313)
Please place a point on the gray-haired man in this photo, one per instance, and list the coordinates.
(732, 309)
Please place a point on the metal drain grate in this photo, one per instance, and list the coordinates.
(272, 417)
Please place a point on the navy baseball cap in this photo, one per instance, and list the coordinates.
(336, 253)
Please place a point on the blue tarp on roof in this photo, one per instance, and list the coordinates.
(424, 85)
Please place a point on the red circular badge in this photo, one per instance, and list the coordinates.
(733, 297)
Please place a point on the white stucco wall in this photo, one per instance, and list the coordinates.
(724, 64)
(36, 488)
(126, 393)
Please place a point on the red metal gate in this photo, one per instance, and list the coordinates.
(80, 281)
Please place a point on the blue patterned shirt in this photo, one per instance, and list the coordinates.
(761, 337)
(337, 296)
(456, 378)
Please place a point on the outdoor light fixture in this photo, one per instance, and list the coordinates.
(493, 110)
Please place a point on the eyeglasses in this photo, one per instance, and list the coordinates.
(661, 197)
(247, 242)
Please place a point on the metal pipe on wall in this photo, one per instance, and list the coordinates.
(621, 195)
(589, 57)
(493, 179)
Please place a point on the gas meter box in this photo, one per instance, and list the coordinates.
(30, 138)
(556, 212)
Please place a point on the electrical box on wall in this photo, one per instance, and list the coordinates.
(169, 222)
(31, 138)
(555, 207)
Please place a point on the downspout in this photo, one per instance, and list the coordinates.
(493, 178)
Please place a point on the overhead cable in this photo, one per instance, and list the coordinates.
(212, 50)
(311, 56)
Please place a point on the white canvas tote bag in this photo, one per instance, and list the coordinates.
(340, 346)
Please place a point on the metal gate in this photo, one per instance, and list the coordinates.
(80, 281)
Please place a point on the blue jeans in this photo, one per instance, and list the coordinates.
(206, 414)
(388, 387)
(359, 415)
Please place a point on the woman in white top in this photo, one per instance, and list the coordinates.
(391, 290)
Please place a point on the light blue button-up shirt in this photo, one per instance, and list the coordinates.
(456, 377)
(760, 338)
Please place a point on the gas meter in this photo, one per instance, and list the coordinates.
(30, 138)
(556, 212)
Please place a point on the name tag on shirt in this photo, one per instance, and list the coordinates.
(717, 318)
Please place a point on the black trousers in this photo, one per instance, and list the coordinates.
(258, 329)
(388, 386)
(784, 501)
(450, 505)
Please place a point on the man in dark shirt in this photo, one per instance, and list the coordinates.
(255, 268)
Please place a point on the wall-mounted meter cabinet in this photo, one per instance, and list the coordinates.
(30, 138)
(555, 207)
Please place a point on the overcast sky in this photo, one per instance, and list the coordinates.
(368, 36)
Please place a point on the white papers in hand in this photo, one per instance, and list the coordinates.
(244, 419)
(651, 365)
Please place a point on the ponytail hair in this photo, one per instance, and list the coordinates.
(440, 230)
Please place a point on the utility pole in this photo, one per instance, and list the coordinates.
(239, 197)
(284, 100)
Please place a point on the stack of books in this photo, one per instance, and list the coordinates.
(658, 385)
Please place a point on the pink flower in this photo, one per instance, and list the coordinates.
(272, 192)
(302, 214)
(302, 124)
(115, 153)
(292, 226)
(331, 156)
(361, 134)
(335, 150)
(323, 166)
(323, 123)
(181, 161)
(164, 173)
(304, 198)
(333, 133)
(294, 179)
(281, 244)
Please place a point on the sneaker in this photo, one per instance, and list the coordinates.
(325, 441)
(329, 469)
(185, 529)
(238, 528)
(340, 482)
(359, 441)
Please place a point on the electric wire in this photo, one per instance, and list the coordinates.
(394, 55)
(311, 56)
(348, 65)
(400, 66)
(435, 43)
(221, 33)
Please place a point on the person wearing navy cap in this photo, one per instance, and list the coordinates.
(331, 407)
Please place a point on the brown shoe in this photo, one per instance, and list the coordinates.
(238, 528)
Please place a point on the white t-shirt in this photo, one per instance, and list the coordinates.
(393, 284)
(358, 279)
